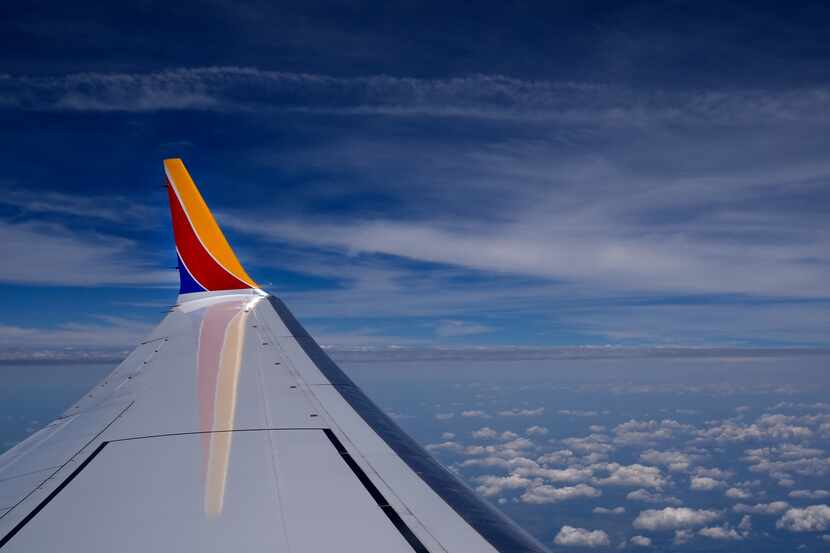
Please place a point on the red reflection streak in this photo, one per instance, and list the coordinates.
(221, 340)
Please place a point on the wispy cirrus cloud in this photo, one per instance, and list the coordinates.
(54, 254)
(597, 202)
(477, 96)
(603, 257)
(108, 208)
(103, 331)
(449, 327)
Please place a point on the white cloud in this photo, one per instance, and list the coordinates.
(737, 493)
(495, 485)
(487, 462)
(445, 446)
(795, 451)
(813, 466)
(815, 518)
(683, 536)
(746, 523)
(609, 511)
(595, 443)
(485, 433)
(109, 207)
(444, 416)
(772, 508)
(102, 332)
(640, 541)
(447, 436)
(765, 428)
(518, 443)
(571, 474)
(481, 450)
(568, 535)
(704, 483)
(809, 494)
(712, 472)
(798, 405)
(549, 494)
(522, 412)
(526, 239)
(69, 258)
(474, 413)
(676, 461)
(634, 432)
(502, 461)
(491, 97)
(650, 497)
(632, 475)
(562, 456)
(518, 249)
(577, 413)
(449, 328)
(536, 430)
(720, 533)
(672, 518)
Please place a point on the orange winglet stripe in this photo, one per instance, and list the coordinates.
(196, 260)
(196, 221)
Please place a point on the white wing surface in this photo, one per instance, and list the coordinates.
(229, 429)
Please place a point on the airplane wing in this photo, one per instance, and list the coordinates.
(230, 429)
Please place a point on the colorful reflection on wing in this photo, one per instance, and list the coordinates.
(221, 342)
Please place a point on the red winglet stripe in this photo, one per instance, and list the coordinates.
(199, 262)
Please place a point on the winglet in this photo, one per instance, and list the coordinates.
(206, 261)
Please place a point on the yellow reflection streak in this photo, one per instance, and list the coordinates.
(224, 410)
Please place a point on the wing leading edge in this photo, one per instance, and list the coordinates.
(230, 428)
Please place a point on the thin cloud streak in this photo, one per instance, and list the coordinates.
(52, 254)
(234, 88)
(635, 263)
(103, 332)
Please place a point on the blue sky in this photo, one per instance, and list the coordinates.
(551, 174)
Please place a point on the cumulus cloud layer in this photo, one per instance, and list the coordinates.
(569, 535)
(550, 494)
(545, 471)
(771, 508)
(640, 541)
(815, 518)
(672, 518)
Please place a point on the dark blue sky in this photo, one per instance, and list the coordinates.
(569, 173)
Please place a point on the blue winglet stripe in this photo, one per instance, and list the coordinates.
(188, 284)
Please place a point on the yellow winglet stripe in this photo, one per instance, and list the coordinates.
(202, 221)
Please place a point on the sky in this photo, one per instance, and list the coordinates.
(548, 174)
(579, 250)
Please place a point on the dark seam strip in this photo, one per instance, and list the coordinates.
(388, 510)
(52, 495)
(173, 434)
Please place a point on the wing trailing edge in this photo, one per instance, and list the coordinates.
(206, 261)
